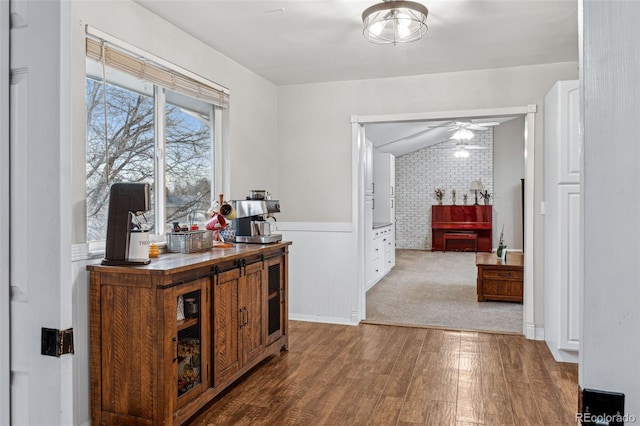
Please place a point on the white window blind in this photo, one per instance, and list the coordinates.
(152, 72)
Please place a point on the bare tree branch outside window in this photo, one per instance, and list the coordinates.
(131, 146)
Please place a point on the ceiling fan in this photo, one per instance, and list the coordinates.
(472, 126)
(461, 148)
(463, 145)
(463, 135)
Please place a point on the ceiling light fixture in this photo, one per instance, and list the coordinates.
(394, 21)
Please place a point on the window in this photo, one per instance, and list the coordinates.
(127, 155)
(189, 158)
(138, 131)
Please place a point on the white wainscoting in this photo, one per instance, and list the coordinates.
(322, 272)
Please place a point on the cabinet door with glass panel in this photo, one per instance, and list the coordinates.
(187, 330)
(275, 271)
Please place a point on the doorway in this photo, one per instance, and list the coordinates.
(358, 146)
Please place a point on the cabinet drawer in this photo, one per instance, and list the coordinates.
(502, 289)
(502, 274)
(378, 266)
(376, 250)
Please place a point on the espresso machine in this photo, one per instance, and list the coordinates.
(127, 243)
(251, 224)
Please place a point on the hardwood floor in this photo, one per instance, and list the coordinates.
(385, 375)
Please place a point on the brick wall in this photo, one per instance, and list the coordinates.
(419, 173)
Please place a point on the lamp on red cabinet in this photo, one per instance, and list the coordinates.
(476, 186)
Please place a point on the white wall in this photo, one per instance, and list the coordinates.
(508, 169)
(314, 173)
(610, 348)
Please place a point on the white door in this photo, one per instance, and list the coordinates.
(4, 214)
(40, 208)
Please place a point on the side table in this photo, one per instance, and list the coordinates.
(500, 280)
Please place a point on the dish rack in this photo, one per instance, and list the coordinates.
(189, 241)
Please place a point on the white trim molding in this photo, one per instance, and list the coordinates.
(5, 354)
(529, 196)
(321, 319)
(439, 115)
(314, 226)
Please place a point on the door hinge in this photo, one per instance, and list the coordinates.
(56, 342)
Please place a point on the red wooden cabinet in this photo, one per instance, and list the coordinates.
(476, 219)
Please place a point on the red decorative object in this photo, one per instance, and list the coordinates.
(464, 219)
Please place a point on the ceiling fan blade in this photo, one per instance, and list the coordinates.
(488, 124)
(474, 126)
(475, 147)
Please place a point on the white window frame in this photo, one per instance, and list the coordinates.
(215, 116)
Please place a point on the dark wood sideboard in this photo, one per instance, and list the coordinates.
(168, 337)
(475, 219)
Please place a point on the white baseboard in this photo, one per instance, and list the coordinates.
(532, 332)
(564, 356)
(322, 319)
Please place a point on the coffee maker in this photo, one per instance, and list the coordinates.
(127, 243)
(251, 223)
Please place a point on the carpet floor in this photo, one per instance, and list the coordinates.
(435, 289)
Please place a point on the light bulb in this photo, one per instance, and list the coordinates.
(377, 28)
(403, 19)
(403, 31)
(463, 135)
(461, 153)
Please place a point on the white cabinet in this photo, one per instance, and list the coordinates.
(390, 250)
(381, 254)
(380, 250)
(384, 177)
(368, 169)
(562, 221)
(368, 241)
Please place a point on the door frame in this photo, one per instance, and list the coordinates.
(5, 317)
(358, 138)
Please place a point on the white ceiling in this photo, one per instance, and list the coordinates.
(308, 41)
(313, 41)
